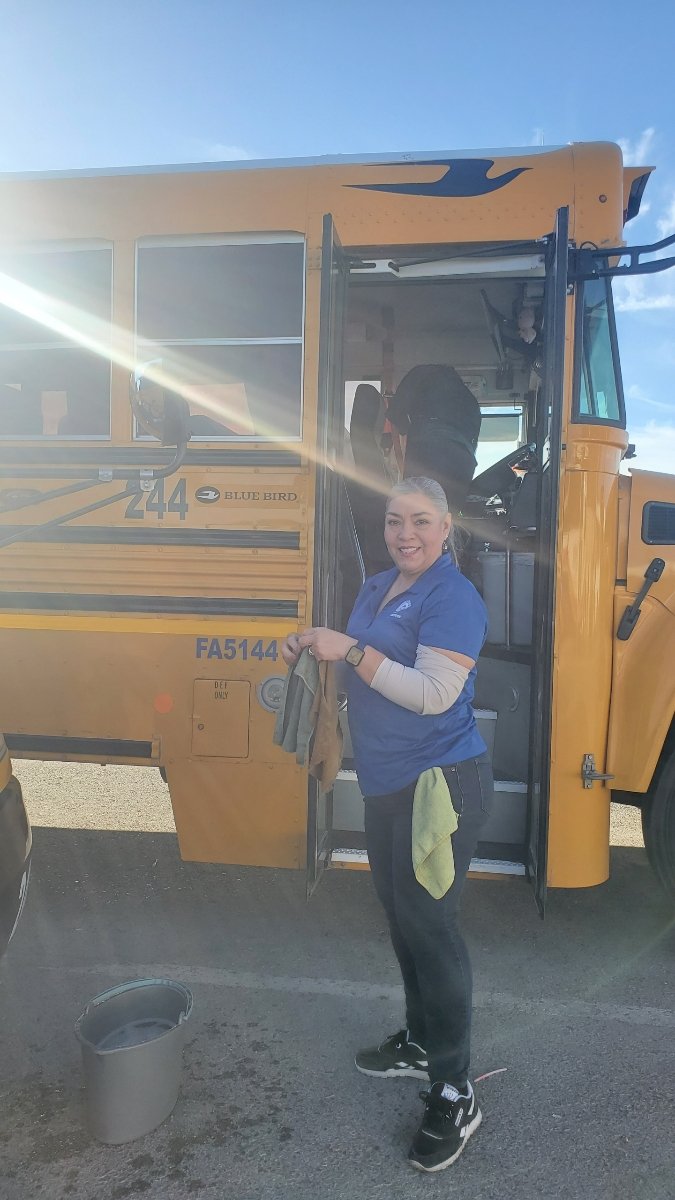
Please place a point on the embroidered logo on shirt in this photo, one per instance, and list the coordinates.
(401, 607)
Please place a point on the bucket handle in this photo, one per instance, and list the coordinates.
(103, 997)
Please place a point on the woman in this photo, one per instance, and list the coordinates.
(411, 644)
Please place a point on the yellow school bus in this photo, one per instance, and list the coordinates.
(145, 588)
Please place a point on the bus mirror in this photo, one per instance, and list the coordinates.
(159, 412)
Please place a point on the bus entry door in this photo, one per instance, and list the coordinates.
(548, 438)
(325, 601)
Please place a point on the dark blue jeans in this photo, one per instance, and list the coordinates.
(431, 951)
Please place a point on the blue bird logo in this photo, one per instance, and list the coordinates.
(463, 177)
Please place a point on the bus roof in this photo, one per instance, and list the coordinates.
(251, 164)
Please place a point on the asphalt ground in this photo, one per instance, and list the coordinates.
(579, 1009)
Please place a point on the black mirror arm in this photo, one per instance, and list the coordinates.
(591, 262)
(176, 462)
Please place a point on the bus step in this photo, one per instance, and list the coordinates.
(497, 867)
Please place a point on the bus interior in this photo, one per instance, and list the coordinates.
(485, 319)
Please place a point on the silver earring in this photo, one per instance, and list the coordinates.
(444, 547)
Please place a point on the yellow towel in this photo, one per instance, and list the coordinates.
(434, 820)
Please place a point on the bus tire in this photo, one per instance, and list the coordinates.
(658, 825)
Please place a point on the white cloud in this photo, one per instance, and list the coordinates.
(638, 293)
(654, 447)
(636, 153)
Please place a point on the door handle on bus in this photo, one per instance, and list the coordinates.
(589, 773)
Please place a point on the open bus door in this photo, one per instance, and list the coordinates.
(335, 267)
(548, 442)
(325, 601)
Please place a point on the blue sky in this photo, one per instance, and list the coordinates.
(88, 83)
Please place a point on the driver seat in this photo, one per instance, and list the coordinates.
(441, 418)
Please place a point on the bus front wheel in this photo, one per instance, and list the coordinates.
(658, 824)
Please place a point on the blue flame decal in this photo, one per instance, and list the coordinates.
(463, 177)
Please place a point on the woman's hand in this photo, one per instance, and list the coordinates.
(327, 645)
(290, 649)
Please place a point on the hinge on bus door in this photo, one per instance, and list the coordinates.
(631, 614)
(589, 773)
(591, 262)
(352, 262)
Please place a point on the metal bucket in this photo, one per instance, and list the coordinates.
(132, 1040)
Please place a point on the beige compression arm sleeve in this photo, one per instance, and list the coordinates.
(428, 688)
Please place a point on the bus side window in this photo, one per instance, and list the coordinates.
(51, 298)
(20, 411)
(225, 315)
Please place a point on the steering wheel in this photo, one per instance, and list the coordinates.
(498, 479)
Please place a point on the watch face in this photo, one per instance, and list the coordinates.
(354, 656)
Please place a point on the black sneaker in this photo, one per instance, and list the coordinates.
(395, 1057)
(448, 1122)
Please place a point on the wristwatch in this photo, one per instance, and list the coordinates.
(354, 655)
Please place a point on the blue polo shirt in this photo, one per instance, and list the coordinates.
(392, 745)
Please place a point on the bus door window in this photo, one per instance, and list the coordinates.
(367, 478)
